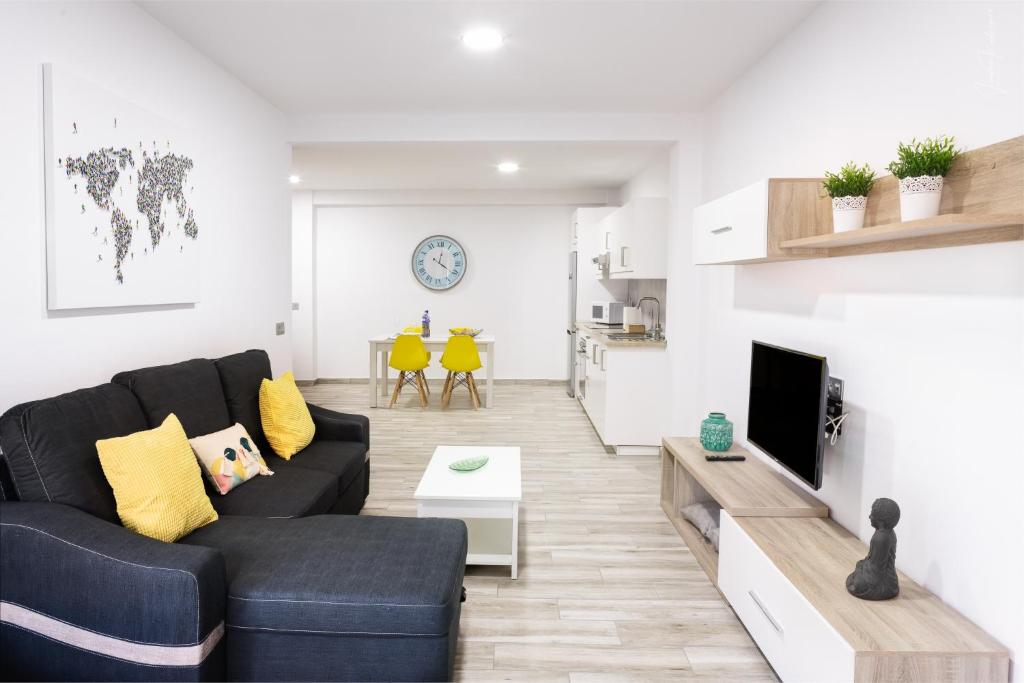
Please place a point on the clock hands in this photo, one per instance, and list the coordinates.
(441, 264)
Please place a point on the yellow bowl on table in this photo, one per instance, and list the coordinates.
(467, 331)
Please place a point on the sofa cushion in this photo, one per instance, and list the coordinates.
(240, 377)
(343, 459)
(289, 493)
(157, 482)
(50, 446)
(228, 458)
(285, 416)
(338, 574)
(190, 389)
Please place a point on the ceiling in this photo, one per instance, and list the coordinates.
(339, 57)
(471, 165)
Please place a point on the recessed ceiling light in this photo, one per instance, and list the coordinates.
(509, 167)
(483, 39)
(294, 179)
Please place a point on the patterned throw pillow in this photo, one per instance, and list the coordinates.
(286, 421)
(229, 457)
(156, 481)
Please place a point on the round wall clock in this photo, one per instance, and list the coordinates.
(439, 262)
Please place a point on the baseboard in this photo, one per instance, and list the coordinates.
(637, 450)
(434, 381)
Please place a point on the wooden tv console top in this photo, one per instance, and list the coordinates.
(747, 488)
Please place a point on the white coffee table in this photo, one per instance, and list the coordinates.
(487, 500)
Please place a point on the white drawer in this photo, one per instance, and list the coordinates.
(793, 636)
(733, 227)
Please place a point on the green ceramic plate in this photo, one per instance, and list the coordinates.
(469, 464)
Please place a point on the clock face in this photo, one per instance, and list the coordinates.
(439, 262)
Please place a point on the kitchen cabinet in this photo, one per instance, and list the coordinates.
(626, 395)
(635, 236)
(589, 240)
(750, 224)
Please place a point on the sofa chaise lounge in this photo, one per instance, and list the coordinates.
(284, 586)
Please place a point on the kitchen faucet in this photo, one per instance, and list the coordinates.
(658, 335)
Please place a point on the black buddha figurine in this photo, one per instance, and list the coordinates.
(875, 576)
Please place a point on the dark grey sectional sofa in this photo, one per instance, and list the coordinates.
(284, 586)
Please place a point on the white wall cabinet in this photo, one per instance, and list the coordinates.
(635, 236)
(626, 396)
(750, 224)
(733, 227)
(588, 238)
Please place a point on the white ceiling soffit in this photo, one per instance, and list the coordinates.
(472, 165)
(323, 58)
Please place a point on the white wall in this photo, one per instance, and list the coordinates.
(243, 207)
(930, 343)
(515, 285)
(303, 287)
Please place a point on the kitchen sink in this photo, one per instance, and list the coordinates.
(632, 336)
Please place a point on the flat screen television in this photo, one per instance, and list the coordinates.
(786, 414)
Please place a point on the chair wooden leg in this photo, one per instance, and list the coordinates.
(398, 388)
(446, 393)
(426, 384)
(419, 386)
(472, 390)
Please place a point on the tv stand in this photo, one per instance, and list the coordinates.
(782, 568)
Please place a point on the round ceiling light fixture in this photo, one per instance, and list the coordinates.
(482, 39)
(294, 179)
(509, 167)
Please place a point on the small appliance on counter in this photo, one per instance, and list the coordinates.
(633, 320)
(606, 312)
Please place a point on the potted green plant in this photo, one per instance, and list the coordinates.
(920, 168)
(849, 192)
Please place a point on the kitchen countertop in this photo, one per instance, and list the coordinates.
(597, 332)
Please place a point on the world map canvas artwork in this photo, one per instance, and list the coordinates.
(122, 224)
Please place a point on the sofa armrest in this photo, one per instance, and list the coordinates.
(340, 426)
(98, 587)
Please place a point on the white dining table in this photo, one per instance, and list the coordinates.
(381, 345)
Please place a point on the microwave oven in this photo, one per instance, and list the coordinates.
(606, 312)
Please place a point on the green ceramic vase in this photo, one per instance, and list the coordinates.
(716, 433)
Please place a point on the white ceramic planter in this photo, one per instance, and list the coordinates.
(920, 197)
(848, 213)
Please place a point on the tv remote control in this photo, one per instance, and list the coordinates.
(724, 458)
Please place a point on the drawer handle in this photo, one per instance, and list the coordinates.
(719, 231)
(765, 612)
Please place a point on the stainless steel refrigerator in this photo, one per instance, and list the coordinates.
(570, 330)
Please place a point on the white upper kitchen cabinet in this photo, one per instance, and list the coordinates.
(636, 236)
(588, 237)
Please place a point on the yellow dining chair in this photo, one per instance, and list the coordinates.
(460, 359)
(409, 356)
(418, 330)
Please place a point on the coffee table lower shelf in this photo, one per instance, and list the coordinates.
(493, 528)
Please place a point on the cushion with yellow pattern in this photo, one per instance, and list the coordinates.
(157, 484)
(229, 457)
(287, 423)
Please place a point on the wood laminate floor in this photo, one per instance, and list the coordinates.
(607, 591)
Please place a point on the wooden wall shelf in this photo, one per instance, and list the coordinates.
(926, 227)
(982, 202)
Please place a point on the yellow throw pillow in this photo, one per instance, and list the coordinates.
(157, 483)
(287, 423)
